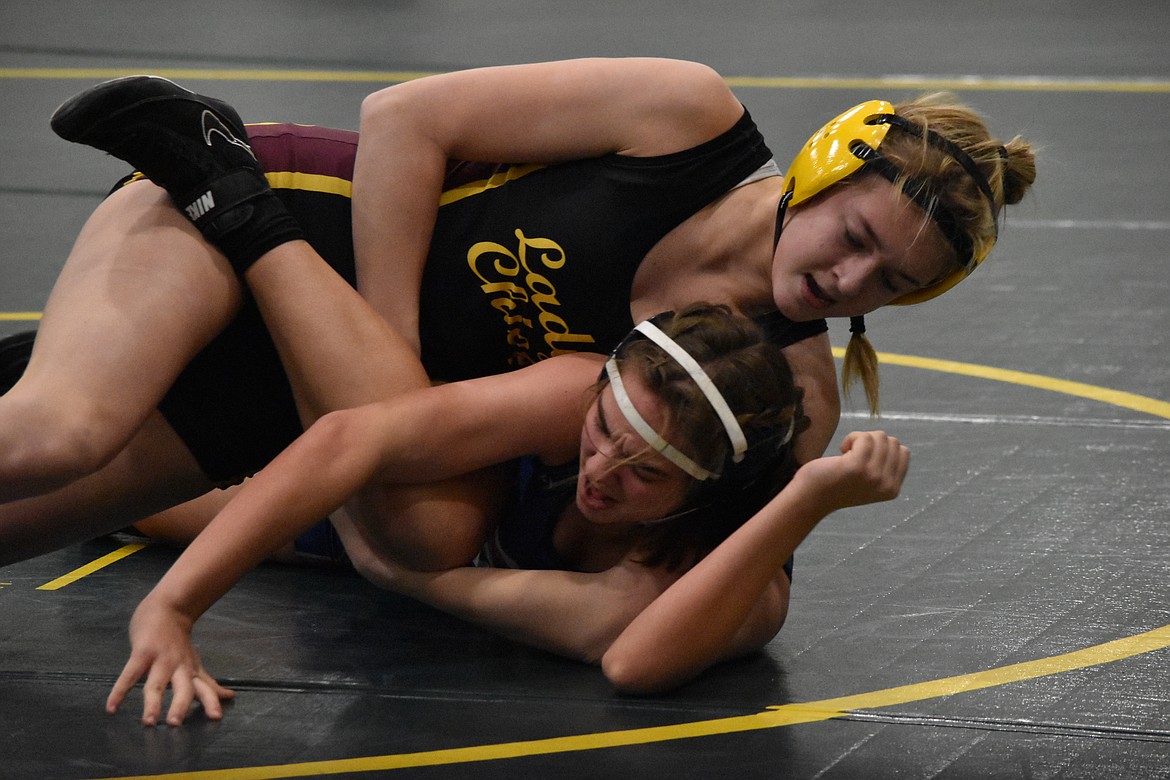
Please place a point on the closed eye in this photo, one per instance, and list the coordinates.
(648, 473)
(602, 426)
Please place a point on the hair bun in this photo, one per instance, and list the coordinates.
(1019, 170)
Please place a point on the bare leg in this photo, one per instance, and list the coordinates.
(153, 471)
(180, 524)
(446, 528)
(140, 294)
(339, 353)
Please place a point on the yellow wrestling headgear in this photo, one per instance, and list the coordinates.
(851, 142)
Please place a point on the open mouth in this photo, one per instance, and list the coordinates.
(593, 498)
(814, 295)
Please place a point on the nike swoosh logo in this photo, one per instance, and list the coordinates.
(213, 124)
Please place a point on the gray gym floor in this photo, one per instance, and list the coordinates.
(1007, 616)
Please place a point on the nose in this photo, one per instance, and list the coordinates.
(853, 275)
(600, 469)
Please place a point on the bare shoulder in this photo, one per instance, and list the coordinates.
(555, 384)
(572, 369)
(695, 81)
(813, 353)
(566, 109)
(688, 103)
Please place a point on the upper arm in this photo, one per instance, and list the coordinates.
(552, 111)
(536, 113)
(453, 429)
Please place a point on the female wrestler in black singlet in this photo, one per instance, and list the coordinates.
(82, 451)
(80, 439)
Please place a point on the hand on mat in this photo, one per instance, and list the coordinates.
(162, 650)
(870, 468)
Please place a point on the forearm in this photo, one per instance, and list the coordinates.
(731, 602)
(305, 483)
(701, 617)
(649, 635)
(573, 614)
(398, 177)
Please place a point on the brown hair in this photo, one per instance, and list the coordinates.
(1010, 169)
(754, 378)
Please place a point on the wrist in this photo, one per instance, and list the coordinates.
(813, 494)
(158, 604)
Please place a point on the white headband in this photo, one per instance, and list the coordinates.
(714, 397)
(652, 437)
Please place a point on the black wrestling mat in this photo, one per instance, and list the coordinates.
(1008, 616)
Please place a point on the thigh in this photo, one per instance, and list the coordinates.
(180, 524)
(153, 472)
(139, 295)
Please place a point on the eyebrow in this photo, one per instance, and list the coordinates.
(601, 423)
(872, 236)
(604, 426)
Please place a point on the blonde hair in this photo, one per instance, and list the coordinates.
(1010, 169)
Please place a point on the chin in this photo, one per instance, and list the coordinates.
(788, 307)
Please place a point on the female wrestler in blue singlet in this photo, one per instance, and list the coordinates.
(658, 549)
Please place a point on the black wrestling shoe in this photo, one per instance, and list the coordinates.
(14, 353)
(193, 146)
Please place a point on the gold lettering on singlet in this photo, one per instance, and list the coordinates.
(522, 293)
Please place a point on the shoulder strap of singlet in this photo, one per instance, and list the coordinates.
(785, 332)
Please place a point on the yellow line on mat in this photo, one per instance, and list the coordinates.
(1139, 403)
(19, 316)
(957, 83)
(960, 83)
(773, 717)
(214, 74)
(90, 568)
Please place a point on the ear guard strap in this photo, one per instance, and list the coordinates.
(851, 142)
(918, 191)
(957, 237)
(945, 144)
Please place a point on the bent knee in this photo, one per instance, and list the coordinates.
(60, 444)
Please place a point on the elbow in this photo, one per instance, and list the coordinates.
(388, 112)
(376, 104)
(632, 676)
(645, 671)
